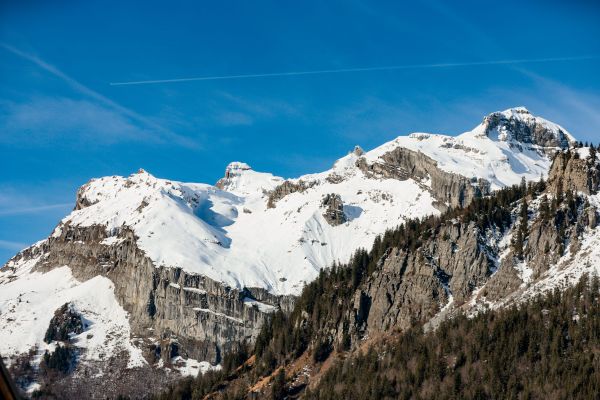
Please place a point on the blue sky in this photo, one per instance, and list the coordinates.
(61, 123)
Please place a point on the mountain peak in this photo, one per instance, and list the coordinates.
(519, 125)
(240, 178)
(517, 110)
(233, 172)
(358, 151)
(236, 167)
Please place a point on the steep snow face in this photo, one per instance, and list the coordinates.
(229, 234)
(241, 179)
(506, 147)
(28, 302)
(518, 124)
(234, 238)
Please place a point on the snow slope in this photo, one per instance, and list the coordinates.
(492, 155)
(230, 235)
(28, 303)
(234, 238)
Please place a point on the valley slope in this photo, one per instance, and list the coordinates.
(166, 274)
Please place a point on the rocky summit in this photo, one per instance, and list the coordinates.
(150, 277)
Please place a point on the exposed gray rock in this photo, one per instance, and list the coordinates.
(334, 178)
(416, 285)
(286, 188)
(232, 171)
(358, 151)
(334, 213)
(526, 130)
(81, 201)
(574, 174)
(447, 188)
(205, 317)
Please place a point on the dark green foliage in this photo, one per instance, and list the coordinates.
(151, 306)
(64, 322)
(491, 356)
(62, 359)
(278, 388)
(549, 348)
(558, 195)
(522, 231)
(323, 302)
(346, 341)
(231, 361)
(545, 213)
(322, 351)
(211, 381)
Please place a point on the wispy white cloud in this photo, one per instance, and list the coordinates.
(373, 120)
(575, 109)
(361, 69)
(233, 118)
(34, 209)
(33, 199)
(230, 110)
(10, 245)
(126, 117)
(52, 120)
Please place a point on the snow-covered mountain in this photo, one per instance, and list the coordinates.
(148, 257)
(233, 235)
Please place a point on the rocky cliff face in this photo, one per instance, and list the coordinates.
(334, 209)
(415, 285)
(287, 188)
(205, 318)
(572, 172)
(450, 190)
(520, 126)
(470, 261)
(233, 171)
(195, 267)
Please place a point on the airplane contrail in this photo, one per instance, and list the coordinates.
(360, 69)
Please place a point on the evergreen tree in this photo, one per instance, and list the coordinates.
(522, 229)
(278, 388)
(545, 209)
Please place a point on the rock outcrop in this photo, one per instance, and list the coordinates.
(415, 285)
(286, 188)
(523, 127)
(571, 172)
(64, 323)
(232, 171)
(204, 317)
(450, 190)
(334, 212)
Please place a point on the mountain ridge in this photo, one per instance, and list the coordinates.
(242, 181)
(197, 269)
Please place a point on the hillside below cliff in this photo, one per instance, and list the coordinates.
(510, 280)
(150, 277)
